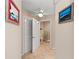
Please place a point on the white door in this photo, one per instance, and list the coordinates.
(27, 36)
(35, 35)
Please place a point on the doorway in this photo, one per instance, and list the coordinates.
(45, 32)
(37, 40)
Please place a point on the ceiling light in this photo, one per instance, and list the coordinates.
(40, 15)
(41, 11)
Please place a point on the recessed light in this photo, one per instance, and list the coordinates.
(40, 15)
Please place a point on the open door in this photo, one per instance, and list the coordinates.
(35, 35)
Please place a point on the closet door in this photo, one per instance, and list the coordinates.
(27, 36)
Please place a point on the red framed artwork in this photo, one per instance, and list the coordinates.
(13, 12)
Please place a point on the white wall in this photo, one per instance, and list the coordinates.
(64, 34)
(52, 32)
(13, 36)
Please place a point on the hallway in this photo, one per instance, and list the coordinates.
(24, 29)
(44, 52)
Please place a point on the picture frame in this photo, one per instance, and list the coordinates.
(66, 15)
(13, 13)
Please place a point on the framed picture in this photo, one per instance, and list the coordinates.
(66, 14)
(13, 13)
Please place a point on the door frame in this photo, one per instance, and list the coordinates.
(49, 29)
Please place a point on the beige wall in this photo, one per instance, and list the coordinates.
(13, 36)
(52, 32)
(64, 34)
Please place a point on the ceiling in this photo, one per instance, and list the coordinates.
(34, 6)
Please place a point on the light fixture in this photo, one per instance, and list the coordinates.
(40, 15)
(42, 11)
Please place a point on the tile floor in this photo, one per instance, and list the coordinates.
(44, 52)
